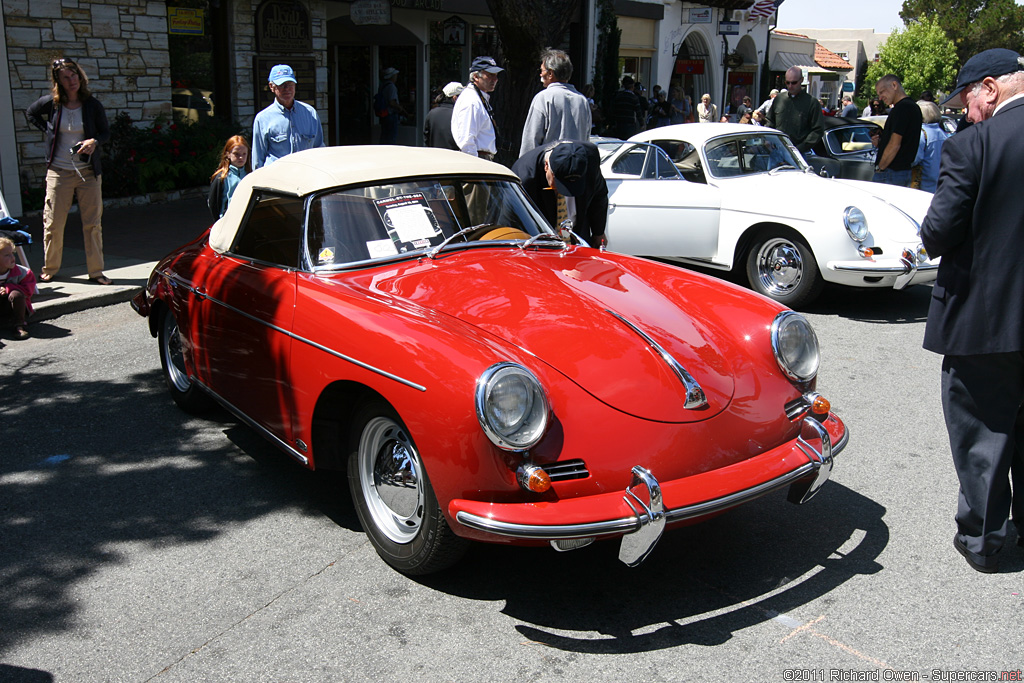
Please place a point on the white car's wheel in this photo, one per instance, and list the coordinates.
(393, 497)
(783, 268)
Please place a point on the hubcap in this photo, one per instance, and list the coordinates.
(779, 266)
(174, 356)
(390, 474)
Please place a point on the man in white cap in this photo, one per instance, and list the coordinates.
(473, 125)
(437, 128)
(286, 125)
(975, 319)
(559, 111)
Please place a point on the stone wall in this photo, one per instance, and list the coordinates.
(122, 46)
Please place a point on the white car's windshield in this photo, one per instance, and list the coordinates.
(739, 155)
(387, 221)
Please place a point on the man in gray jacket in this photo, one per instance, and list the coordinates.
(559, 111)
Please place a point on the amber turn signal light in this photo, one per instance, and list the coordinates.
(866, 252)
(533, 478)
(820, 405)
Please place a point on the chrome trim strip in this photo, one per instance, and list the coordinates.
(695, 397)
(310, 342)
(628, 524)
(895, 270)
(252, 423)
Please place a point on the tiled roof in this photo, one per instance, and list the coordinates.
(827, 59)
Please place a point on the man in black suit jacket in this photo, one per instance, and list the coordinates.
(976, 319)
(571, 169)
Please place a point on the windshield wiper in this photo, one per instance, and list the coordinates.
(543, 237)
(433, 252)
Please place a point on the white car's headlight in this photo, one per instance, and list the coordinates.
(856, 224)
(795, 346)
(511, 406)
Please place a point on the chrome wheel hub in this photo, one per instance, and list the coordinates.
(175, 357)
(390, 473)
(779, 266)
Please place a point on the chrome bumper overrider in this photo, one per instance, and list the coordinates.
(907, 268)
(643, 529)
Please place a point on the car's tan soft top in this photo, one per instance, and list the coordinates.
(317, 169)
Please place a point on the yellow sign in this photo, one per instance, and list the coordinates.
(185, 21)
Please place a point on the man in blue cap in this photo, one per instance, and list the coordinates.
(975, 222)
(286, 125)
(564, 180)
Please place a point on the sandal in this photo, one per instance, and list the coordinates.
(43, 277)
(101, 280)
(20, 332)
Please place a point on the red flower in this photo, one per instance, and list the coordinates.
(175, 143)
(192, 154)
(160, 143)
(176, 151)
(156, 128)
(174, 126)
(142, 160)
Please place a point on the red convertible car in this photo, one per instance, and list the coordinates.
(406, 313)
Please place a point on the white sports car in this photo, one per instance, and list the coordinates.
(730, 196)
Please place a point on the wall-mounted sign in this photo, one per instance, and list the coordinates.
(454, 31)
(283, 26)
(694, 67)
(367, 12)
(700, 15)
(185, 21)
(728, 28)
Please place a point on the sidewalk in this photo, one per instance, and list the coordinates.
(134, 239)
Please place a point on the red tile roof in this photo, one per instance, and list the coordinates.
(827, 59)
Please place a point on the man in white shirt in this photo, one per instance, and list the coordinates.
(473, 124)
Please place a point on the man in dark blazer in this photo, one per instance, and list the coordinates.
(976, 319)
(571, 169)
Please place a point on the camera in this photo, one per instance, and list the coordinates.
(75, 150)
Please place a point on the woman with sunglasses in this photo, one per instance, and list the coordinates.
(75, 125)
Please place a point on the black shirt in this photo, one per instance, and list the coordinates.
(905, 120)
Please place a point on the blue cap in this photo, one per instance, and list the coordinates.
(282, 73)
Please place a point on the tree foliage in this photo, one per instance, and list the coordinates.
(922, 56)
(525, 27)
(972, 25)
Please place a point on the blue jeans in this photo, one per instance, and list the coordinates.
(891, 177)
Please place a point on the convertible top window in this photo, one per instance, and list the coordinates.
(272, 232)
(386, 221)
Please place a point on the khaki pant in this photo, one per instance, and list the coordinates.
(61, 187)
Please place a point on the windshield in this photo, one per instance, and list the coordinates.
(386, 221)
(749, 154)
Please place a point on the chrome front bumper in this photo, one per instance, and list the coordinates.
(907, 269)
(643, 529)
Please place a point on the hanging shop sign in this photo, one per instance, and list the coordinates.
(700, 15)
(693, 67)
(454, 31)
(185, 21)
(283, 26)
(371, 12)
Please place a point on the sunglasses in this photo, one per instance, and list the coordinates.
(793, 82)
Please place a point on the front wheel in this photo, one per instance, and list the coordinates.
(184, 391)
(393, 497)
(783, 268)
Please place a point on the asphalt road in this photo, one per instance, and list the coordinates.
(138, 543)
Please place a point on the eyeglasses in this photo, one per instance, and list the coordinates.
(793, 82)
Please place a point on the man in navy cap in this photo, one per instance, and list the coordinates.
(976, 223)
(286, 125)
(473, 125)
(564, 180)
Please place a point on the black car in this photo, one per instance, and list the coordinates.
(846, 150)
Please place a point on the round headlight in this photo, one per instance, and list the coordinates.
(795, 346)
(511, 406)
(856, 224)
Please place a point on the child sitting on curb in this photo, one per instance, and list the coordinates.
(17, 285)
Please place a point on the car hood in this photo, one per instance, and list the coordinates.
(558, 308)
(898, 211)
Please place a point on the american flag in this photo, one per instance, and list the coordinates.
(764, 8)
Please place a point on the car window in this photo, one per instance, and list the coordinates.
(660, 166)
(749, 154)
(272, 232)
(631, 163)
(361, 224)
(846, 140)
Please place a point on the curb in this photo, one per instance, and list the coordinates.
(113, 294)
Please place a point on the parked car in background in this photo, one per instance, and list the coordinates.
(191, 104)
(741, 198)
(406, 314)
(846, 150)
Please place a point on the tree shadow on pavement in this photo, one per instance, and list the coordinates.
(127, 467)
(701, 585)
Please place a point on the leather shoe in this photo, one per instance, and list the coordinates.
(987, 565)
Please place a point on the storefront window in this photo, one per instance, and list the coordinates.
(403, 58)
(447, 42)
(190, 45)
